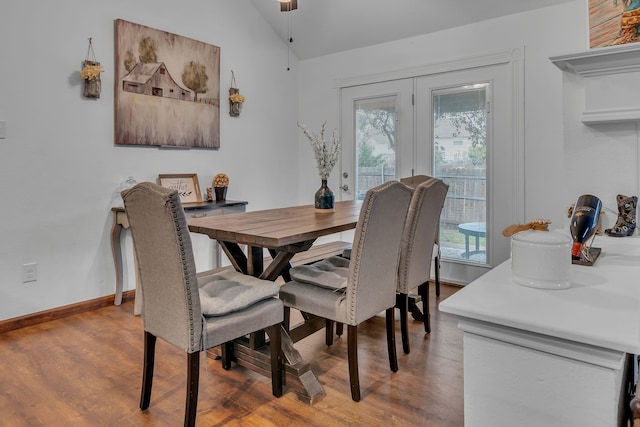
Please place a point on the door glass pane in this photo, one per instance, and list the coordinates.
(375, 138)
(459, 147)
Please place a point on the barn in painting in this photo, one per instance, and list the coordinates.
(154, 79)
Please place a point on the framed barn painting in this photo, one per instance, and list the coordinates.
(613, 22)
(167, 89)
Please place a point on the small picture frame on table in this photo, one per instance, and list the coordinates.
(185, 183)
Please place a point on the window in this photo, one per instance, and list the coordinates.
(460, 111)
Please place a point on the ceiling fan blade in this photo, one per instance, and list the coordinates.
(289, 6)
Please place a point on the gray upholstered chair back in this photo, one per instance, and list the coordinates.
(420, 234)
(415, 180)
(373, 270)
(166, 267)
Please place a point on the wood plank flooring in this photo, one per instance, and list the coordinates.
(85, 370)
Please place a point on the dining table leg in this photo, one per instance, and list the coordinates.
(285, 271)
(116, 252)
(307, 385)
(255, 261)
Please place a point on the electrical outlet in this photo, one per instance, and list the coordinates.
(29, 272)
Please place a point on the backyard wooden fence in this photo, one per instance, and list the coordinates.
(466, 199)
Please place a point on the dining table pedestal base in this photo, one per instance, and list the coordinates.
(299, 376)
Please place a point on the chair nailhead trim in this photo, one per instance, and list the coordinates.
(185, 269)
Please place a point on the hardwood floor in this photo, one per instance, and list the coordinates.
(85, 370)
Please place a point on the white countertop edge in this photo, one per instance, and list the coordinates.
(602, 310)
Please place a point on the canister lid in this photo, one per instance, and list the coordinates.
(553, 237)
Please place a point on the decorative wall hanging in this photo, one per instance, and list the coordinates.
(186, 184)
(167, 89)
(613, 22)
(90, 73)
(235, 99)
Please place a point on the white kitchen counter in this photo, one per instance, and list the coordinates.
(551, 357)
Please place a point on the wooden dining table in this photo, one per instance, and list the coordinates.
(284, 232)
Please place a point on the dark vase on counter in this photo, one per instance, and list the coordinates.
(324, 198)
(221, 193)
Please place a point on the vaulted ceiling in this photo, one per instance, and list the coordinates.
(321, 27)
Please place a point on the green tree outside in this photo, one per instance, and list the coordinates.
(366, 157)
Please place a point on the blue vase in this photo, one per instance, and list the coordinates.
(324, 198)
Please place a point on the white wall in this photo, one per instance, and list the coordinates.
(601, 159)
(544, 32)
(59, 168)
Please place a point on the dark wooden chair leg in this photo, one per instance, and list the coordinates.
(339, 329)
(193, 379)
(436, 267)
(402, 303)
(423, 290)
(391, 339)
(277, 366)
(147, 370)
(286, 323)
(227, 355)
(328, 339)
(352, 349)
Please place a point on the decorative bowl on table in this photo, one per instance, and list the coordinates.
(541, 259)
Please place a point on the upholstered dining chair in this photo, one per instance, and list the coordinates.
(191, 313)
(418, 239)
(413, 181)
(350, 292)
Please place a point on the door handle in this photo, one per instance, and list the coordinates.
(345, 187)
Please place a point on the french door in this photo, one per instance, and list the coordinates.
(455, 126)
(377, 135)
(463, 130)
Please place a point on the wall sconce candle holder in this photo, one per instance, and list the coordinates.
(235, 99)
(90, 73)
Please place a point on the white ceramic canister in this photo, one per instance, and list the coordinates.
(541, 259)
